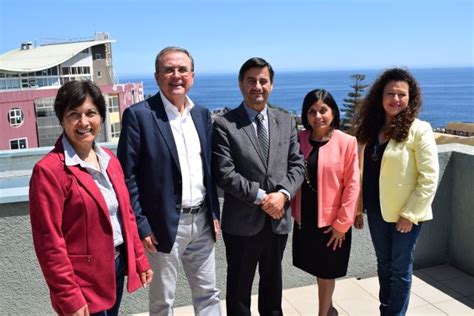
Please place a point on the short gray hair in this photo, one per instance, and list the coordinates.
(168, 49)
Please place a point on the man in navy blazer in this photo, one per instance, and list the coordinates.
(165, 151)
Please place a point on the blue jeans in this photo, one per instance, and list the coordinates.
(395, 252)
(120, 270)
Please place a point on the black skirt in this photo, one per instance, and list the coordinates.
(310, 252)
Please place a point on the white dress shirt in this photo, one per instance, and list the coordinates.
(188, 145)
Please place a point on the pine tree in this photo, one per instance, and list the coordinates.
(353, 101)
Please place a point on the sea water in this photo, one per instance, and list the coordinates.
(448, 93)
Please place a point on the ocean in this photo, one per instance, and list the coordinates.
(448, 93)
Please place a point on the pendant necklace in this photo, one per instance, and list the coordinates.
(374, 155)
(306, 177)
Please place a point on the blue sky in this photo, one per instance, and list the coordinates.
(222, 34)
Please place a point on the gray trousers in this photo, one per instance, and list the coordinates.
(194, 249)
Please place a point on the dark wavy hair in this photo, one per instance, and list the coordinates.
(315, 96)
(74, 93)
(370, 117)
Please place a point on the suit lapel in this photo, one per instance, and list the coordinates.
(86, 181)
(163, 124)
(118, 188)
(249, 129)
(274, 135)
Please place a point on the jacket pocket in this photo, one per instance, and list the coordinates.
(83, 266)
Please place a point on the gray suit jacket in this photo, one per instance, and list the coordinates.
(240, 169)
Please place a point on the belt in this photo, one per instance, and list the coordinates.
(193, 209)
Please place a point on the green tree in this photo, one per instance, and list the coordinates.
(352, 103)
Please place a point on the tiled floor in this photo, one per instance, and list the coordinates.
(441, 290)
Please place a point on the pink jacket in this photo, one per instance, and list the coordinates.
(338, 181)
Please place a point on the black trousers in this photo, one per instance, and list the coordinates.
(243, 253)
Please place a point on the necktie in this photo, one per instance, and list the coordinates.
(262, 135)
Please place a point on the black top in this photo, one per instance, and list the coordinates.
(309, 217)
(373, 154)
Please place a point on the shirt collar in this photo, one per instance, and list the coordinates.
(252, 113)
(71, 158)
(172, 110)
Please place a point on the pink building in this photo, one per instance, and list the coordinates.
(29, 80)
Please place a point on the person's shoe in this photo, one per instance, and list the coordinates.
(333, 311)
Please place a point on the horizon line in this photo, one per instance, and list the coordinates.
(296, 70)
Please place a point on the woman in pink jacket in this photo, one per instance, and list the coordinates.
(324, 208)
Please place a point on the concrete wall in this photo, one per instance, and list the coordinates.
(461, 243)
(446, 239)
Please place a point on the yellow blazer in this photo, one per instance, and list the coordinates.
(408, 175)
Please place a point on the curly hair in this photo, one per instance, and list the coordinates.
(370, 117)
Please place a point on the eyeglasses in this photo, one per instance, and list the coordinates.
(169, 71)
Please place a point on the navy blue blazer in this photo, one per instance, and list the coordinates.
(149, 159)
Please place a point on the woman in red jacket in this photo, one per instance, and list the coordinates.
(324, 208)
(84, 229)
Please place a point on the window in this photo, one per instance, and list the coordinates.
(15, 117)
(13, 83)
(98, 56)
(19, 143)
(115, 130)
(44, 107)
(99, 74)
(113, 103)
(24, 83)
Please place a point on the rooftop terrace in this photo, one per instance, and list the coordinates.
(444, 257)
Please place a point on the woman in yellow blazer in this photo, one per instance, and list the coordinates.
(399, 163)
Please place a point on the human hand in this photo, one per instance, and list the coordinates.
(273, 204)
(149, 243)
(217, 228)
(83, 311)
(146, 277)
(336, 238)
(359, 221)
(403, 225)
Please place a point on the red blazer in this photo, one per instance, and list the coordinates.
(338, 181)
(73, 237)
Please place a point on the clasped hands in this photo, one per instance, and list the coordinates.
(274, 204)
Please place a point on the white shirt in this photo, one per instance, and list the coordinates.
(101, 179)
(188, 145)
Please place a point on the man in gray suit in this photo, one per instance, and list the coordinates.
(257, 163)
